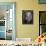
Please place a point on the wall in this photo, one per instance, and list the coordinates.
(28, 31)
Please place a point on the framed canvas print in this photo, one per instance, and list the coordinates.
(42, 1)
(27, 17)
(42, 22)
(7, 20)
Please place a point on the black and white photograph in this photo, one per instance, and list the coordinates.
(27, 17)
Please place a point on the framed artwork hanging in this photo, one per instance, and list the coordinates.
(27, 17)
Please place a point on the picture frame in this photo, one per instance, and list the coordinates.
(27, 16)
(42, 1)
